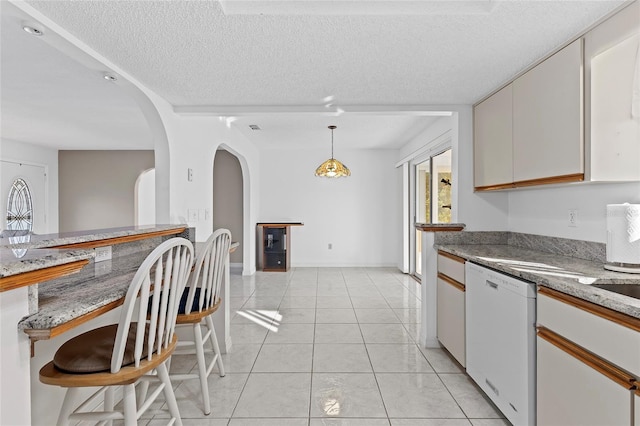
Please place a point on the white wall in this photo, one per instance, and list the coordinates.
(93, 195)
(38, 155)
(544, 211)
(358, 215)
(193, 141)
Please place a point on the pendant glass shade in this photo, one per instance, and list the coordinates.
(332, 168)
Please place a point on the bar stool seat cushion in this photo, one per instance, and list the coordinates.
(91, 352)
(182, 308)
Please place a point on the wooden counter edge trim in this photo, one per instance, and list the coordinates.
(496, 187)
(36, 334)
(452, 256)
(120, 240)
(33, 277)
(614, 373)
(575, 177)
(606, 313)
(430, 228)
(280, 224)
(451, 281)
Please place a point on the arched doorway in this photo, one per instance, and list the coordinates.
(145, 198)
(228, 196)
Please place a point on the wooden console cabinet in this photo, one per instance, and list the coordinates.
(274, 246)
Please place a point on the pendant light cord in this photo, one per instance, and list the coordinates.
(332, 144)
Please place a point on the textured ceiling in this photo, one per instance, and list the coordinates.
(51, 100)
(190, 53)
(293, 131)
(195, 56)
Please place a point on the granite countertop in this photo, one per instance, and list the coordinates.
(52, 240)
(566, 274)
(14, 261)
(63, 299)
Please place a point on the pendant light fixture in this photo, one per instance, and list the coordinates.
(332, 168)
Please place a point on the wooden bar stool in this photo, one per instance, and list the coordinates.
(200, 300)
(128, 353)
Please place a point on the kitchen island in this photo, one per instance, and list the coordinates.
(47, 301)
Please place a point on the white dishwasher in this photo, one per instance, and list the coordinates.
(501, 340)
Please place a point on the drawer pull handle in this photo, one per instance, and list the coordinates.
(493, 388)
(492, 285)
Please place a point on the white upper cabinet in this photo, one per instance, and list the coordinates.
(575, 116)
(612, 74)
(493, 139)
(547, 118)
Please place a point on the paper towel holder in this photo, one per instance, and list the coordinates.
(623, 238)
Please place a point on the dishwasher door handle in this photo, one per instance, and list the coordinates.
(492, 284)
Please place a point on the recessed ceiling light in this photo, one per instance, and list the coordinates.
(110, 77)
(32, 30)
(254, 127)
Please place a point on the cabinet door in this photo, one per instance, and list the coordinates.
(492, 140)
(451, 317)
(611, 65)
(570, 392)
(547, 119)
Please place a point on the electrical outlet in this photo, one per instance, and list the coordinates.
(330, 246)
(102, 254)
(573, 217)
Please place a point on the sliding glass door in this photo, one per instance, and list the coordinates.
(432, 197)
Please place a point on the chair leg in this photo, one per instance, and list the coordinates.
(67, 406)
(163, 374)
(143, 388)
(202, 367)
(214, 343)
(109, 402)
(129, 402)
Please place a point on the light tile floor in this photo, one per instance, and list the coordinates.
(331, 346)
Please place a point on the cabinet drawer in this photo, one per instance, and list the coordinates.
(451, 266)
(572, 393)
(451, 318)
(610, 335)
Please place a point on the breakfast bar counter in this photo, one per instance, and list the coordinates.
(51, 289)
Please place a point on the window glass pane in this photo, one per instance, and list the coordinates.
(423, 192)
(442, 184)
(19, 207)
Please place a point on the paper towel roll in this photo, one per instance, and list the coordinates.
(623, 234)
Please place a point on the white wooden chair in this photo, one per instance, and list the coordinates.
(126, 353)
(199, 302)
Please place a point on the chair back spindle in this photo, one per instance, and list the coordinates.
(154, 293)
(209, 272)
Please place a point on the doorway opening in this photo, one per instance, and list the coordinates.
(228, 200)
(145, 198)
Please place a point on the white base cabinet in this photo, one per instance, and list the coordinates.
(572, 393)
(451, 305)
(588, 363)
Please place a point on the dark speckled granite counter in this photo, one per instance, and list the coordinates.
(570, 275)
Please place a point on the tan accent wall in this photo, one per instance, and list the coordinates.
(227, 198)
(97, 188)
